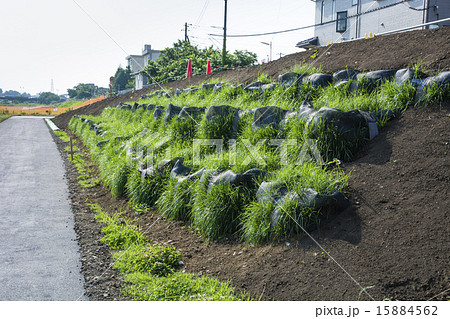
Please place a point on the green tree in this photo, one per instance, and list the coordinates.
(243, 58)
(82, 91)
(123, 79)
(48, 98)
(172, 62)
(11, 93)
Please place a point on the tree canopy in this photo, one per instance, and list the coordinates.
(48, 98)
(82, 91)
(12, 93)
(123, 79)
(172, 62)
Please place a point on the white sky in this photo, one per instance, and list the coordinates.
(42, 40)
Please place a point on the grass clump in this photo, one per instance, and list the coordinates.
(145, 190)
(217, 208)
(264, 78)
(152, 271)
(221, 126)
(306, 69)
(118, 233)
(436, 94)
(115, 175)
(158, 261)
(62, 136)
(179, 286)
(4, 116)
(175, 202)
(334, 144)
(277, 214)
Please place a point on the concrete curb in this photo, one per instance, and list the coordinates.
(52, 125)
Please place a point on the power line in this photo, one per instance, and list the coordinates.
(201, 13)
(312, 25)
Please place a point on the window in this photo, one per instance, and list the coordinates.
(355, 2)
(341, 21)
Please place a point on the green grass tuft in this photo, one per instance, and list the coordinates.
(179, 286)
(159, 261)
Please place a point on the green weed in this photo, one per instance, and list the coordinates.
(120, 234)
(179, 286)
(62, 136)
(159, 261)
(151, 271)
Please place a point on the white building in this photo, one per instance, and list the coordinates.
(138, 62)
(341, 20)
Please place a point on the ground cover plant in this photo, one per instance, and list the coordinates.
(4, 116)
(152, 272)
(225, 158)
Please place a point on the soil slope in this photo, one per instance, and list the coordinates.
(396, 51)
(393, 239)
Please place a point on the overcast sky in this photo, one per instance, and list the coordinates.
(84, 41)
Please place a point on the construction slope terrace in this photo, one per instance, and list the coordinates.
(349, 128)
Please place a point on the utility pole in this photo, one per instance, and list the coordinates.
(270, 46)
(224, 47)
(186, 38)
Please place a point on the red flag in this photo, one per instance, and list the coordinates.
(208, 69)
(189, 70)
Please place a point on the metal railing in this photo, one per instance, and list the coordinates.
(413, 27)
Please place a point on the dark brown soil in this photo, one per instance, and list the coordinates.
(102, 282)
(393, 239)
(396, 51)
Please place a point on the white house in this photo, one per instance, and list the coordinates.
(341, 20)
(138, 62)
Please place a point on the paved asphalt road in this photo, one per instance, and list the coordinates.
(39, 256)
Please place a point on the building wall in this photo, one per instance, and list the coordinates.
(392, 18)
(151, 56)
(139, 81)
(376, 20)
(437, 10)
(138, 62)
(135, 62)
(326, 32)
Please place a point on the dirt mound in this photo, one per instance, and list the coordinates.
(394, 237)
(396, 51)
